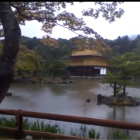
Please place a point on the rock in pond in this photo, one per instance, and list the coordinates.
(70, 82)
(8, 94)
(63, 82)
(88, 100)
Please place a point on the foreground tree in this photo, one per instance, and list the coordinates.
(48, 13)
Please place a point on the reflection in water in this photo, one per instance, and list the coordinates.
(117, 113)
(70, 100)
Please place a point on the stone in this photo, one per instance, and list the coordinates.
(127, 99)
(88, 100)
(43, 82)
(131, 99)
(99, 98)
(8, 94)
(63, 82)
(50, 82)
(70, 82)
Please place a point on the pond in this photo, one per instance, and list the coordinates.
(71, 100)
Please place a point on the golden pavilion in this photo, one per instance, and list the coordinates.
(87, 62)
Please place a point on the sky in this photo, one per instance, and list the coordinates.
(128, 24)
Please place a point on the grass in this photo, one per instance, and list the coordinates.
(119, 134)
(83, 131)
(93, 134)
(8, 123)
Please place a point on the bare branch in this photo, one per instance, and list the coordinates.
(67, 28)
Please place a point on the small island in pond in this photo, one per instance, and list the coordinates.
(117, 101)
(123, 70)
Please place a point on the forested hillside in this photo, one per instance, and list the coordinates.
(65, 48)
(120, 46)
(36, 56)
(125, 43)
(47, 52)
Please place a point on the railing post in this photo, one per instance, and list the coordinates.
(19, 123)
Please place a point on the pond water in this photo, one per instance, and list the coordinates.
(71, 100)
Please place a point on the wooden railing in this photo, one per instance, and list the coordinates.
(20, 133)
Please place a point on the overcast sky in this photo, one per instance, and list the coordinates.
(128, 24)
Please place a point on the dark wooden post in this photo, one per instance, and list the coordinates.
(74, 71)
(93, 72)
(19, 123)
(78, 71)
(81, 70)
(86, 71)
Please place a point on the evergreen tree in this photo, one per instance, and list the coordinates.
(121, 70)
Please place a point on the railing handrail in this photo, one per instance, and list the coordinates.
(73, 119)
(66, 118)
(82, 120)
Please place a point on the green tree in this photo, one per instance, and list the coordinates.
(14, 13)
(27, 60)
(31, 43)
(125, 43)
(58, 68)
(121, 70)
(45, 52)
(112, 53)
(49, 53)
(137, 49)
(112, 80)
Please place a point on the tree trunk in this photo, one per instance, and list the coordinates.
(114, 113)
(114, 86)
(34, 73)
(115, 89)
(19, 72)
(54, 75)
(12, 34)
(49, 73)
(124, 90)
